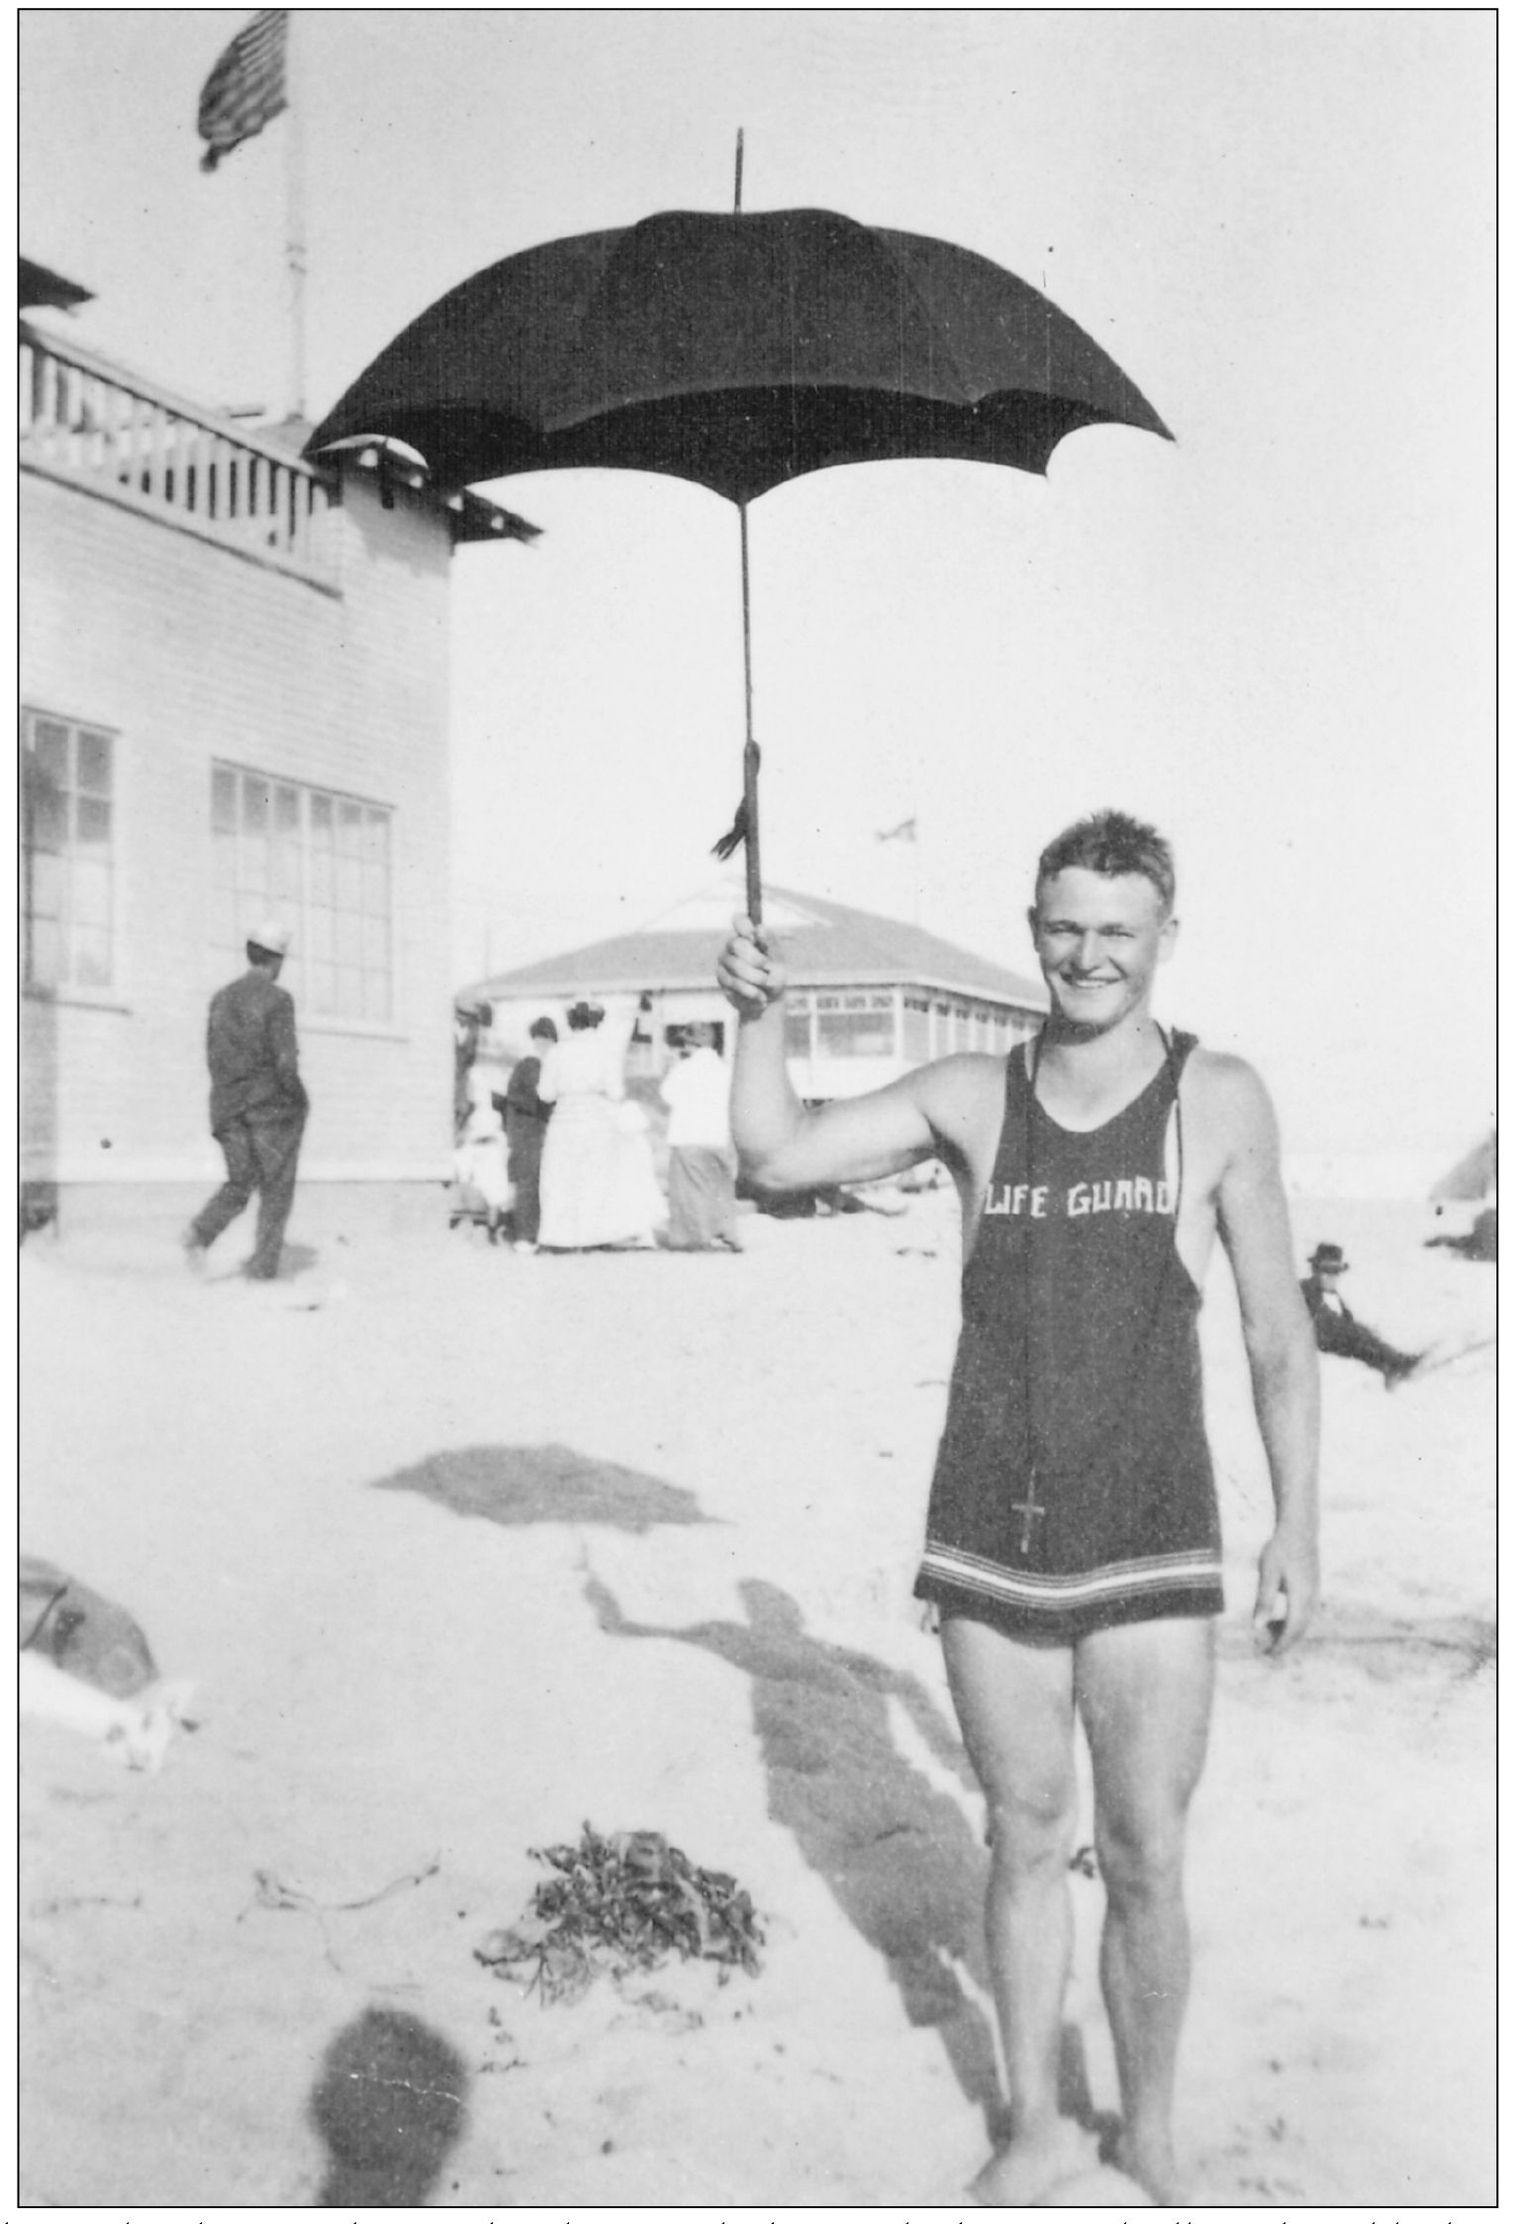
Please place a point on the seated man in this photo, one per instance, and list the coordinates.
(1335, 1326)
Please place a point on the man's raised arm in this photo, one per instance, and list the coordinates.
(781, 1144)
(1283, 1357)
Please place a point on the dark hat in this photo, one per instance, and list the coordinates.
(1328, 1254)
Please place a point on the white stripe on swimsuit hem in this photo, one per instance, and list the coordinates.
(1059, 1593)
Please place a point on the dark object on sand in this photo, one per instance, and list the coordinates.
(738, 351)
(79, 1631)
(389, 2104)
(37, 1207)
(619, 1904)
(831, 1202)
(1479, 1243)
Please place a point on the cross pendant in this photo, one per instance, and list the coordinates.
(1030, 1513)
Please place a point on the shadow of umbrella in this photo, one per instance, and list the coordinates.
(390, 2104)
(519, 1484)
(898, 1854)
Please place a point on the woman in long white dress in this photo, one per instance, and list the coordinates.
(597, 1184)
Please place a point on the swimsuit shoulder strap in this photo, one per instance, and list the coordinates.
(1178, 1048)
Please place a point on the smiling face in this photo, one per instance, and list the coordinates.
(1099, 939)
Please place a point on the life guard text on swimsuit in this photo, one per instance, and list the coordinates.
(1011, 1200)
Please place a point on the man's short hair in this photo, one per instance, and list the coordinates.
(1112, 843)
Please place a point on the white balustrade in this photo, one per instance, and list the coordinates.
(84, 420)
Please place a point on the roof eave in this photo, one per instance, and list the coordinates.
(644, 983)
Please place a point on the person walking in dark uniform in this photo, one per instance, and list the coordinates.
(1335, 1326)
(258, 1104)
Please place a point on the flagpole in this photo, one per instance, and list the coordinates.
(295, 213)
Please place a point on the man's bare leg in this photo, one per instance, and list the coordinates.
(1145, 1697)
(1016, 1711)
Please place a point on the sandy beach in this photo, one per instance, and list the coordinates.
(463, 1550)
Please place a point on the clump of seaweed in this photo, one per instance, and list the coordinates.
(620, 1904)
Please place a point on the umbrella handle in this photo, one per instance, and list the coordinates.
(753, 889)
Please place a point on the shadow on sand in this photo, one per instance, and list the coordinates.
(389, 2104)
(898, 1854)
(518, 1484)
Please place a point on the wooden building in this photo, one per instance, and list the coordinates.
(234, 702)
(869, 997)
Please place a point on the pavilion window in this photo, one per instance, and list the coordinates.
(916, 1030)
(858, 1024)
(798, 1027)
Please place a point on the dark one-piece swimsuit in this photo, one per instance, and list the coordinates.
(1074, 1488)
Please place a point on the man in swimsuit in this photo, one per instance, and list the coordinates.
(1072, 1538)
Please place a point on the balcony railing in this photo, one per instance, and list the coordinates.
(88, 422)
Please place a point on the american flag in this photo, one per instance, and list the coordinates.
(246, 90)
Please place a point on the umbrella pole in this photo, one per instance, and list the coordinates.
(754, 890)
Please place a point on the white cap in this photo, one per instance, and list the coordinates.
(271, 936)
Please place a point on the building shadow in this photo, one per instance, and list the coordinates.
(897, 1853)
(390, 2104)
(519, 1484)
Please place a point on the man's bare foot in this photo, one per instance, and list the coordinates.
(1152, 2163)
(1017, 2174)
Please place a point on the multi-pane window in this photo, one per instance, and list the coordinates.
(318, 862)
(67, 854)
(798, 1027)
(857, 1025)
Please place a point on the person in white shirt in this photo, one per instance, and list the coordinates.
(703, 1206)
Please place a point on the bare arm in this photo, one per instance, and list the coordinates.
(1283, 1358)
(781, 1144)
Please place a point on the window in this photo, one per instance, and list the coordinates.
(67, 854)
(915, 1034)
(857, 1026)
(320, 863)
(798, 1027)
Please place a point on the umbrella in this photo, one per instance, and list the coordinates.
(739, 351)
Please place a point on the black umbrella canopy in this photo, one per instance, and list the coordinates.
(737, 351)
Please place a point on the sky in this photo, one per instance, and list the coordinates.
(1274, 638)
